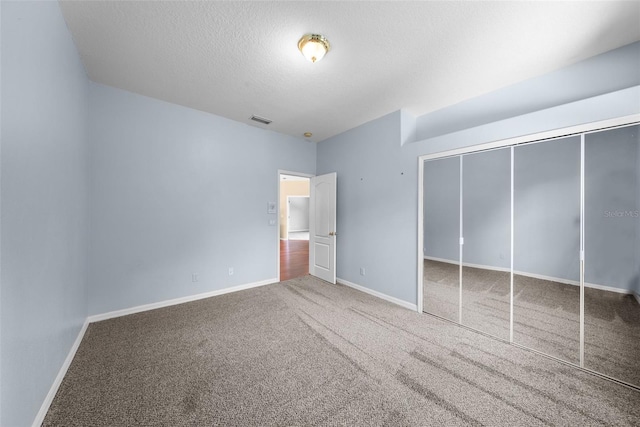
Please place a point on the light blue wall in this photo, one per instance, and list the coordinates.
(611, 179)
(609, 72)
(377, 203)
(377, 183)
(442, 209)
(176, 192)
(546, 209)
(44, 203)
(486, 208)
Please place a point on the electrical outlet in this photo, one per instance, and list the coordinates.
(230, 271)
(195, 277)
(362, 271)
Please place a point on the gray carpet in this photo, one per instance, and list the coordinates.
(304, 352)
(546, 316)
(612, 334)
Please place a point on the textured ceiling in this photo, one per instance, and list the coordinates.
(235, 59)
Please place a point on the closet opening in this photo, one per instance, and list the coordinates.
(536, 241)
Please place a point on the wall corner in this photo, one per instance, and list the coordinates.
(407, 127)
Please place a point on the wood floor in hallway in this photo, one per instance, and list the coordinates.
(294, 259)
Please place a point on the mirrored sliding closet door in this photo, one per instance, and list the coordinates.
(612, 253)
(546, 277)
(486, 248)
(538, 243)
(441, 237)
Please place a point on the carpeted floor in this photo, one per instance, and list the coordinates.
(304, 352)
(546, 316)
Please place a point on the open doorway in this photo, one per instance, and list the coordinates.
(293, 253)
(297, 217)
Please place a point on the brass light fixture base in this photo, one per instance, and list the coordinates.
(314, 46)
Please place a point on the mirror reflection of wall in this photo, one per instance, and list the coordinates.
(532, 288)
(441, 237)
(486, 252)
(546, 308)
(612, 253)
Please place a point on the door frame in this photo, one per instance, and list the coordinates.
(292, 173)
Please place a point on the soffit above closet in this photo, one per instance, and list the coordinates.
(236, 59)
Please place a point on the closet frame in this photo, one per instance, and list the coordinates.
(511, 143)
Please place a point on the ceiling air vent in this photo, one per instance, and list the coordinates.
(260, 120)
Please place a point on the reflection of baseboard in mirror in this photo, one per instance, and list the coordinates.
(540, 276)
(467, 264)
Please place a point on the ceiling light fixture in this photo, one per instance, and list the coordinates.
(314, 46)
(308, 134)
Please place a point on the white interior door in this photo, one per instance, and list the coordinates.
(322, 227)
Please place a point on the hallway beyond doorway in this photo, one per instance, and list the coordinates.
(298, 235)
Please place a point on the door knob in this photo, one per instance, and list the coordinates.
(333, 233)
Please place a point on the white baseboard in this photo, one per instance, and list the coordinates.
(466, 264)
(61, 373)
(550, 278)
(446, 261)
(386, 297)
(42, 413)
(535, 276)
(167, 303)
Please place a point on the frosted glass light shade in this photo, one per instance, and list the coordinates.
(313, 47)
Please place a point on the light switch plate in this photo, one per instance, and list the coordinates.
(271, 207)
